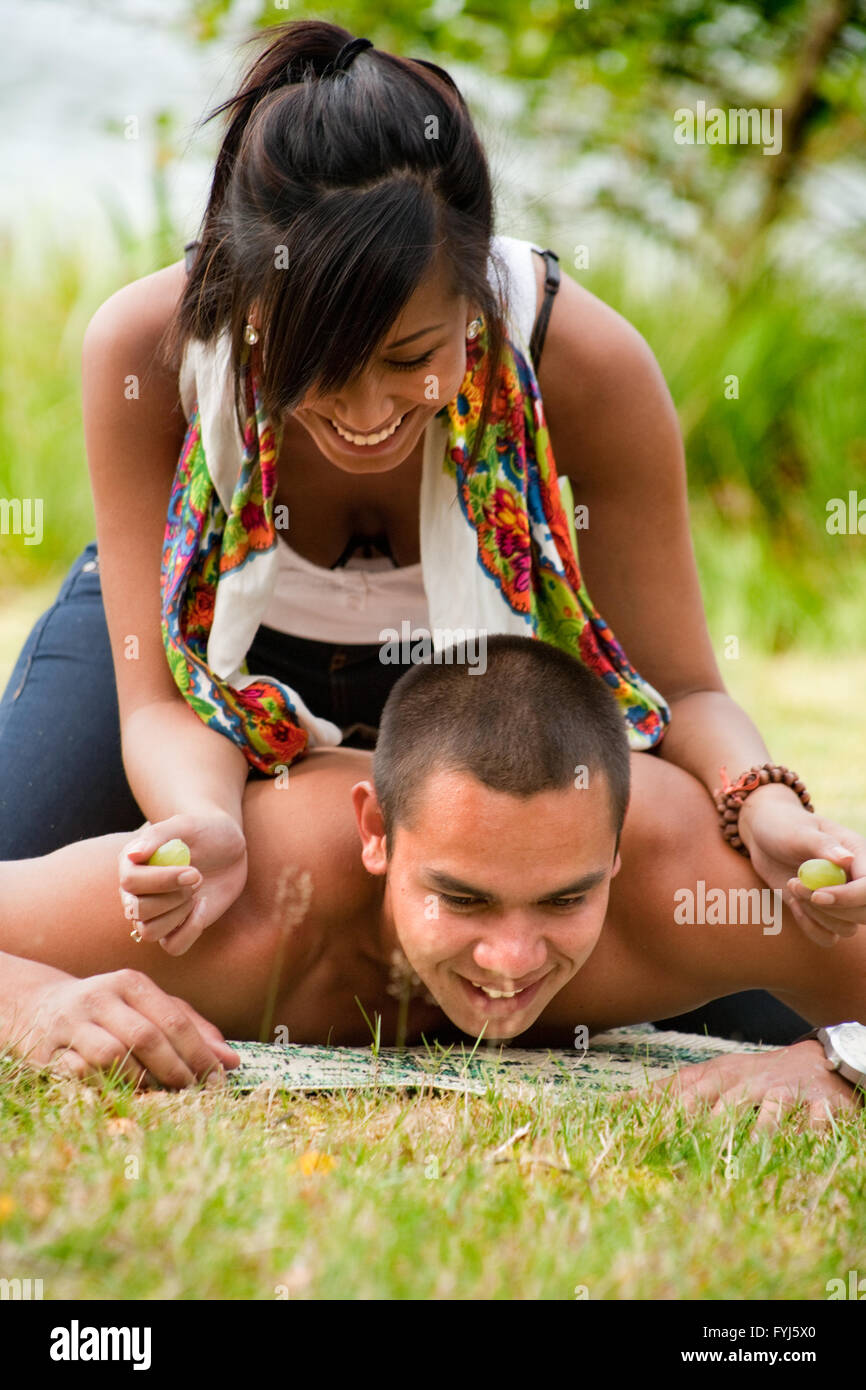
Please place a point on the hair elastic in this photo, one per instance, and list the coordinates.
(348, 53)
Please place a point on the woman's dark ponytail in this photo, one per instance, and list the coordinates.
(307, 47)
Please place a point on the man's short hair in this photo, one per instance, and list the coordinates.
(530, 722)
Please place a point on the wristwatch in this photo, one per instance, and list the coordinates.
(845, 1046)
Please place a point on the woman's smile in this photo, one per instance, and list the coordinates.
(389, 443)
(375, 441)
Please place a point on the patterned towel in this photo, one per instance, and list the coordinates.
(616, 1060)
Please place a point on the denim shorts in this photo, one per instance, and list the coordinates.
(61, 771)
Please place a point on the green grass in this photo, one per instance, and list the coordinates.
(763, 466)
(809, 708)
(205, 1196)
(41, 440)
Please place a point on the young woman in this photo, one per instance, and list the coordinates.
(347, 359)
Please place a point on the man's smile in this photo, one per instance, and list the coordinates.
(500, 1002)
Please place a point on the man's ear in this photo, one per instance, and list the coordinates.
(617, 865)
(371, 827)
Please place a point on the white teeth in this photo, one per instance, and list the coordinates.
(367, 438)
(499, 993)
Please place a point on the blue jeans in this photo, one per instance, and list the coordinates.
(61, 773)
(61, 770)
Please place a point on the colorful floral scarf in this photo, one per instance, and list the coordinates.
(503, 561)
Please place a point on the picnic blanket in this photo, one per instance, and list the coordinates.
(619, 1059)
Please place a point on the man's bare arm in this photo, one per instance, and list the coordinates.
(824, 986)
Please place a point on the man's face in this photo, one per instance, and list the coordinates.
(491, 892)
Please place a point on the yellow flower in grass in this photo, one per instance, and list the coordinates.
(7, 1206)
(313, 1161)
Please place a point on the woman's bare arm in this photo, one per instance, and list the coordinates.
(177, 767)
(615, 434)
(134, 429)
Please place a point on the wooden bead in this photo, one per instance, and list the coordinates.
(728, 804)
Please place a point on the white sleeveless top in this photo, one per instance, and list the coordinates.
(355, 603)
(360, 601)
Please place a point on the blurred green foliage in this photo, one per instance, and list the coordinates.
(607, 79)
(764, 464)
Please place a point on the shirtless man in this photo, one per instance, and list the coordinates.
(491, 830)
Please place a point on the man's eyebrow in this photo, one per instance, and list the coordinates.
(412, 336)
(447, 884)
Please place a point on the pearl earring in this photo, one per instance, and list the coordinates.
(250, 334)
(473, 328)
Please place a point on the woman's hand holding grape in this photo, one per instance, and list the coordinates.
(179, 875)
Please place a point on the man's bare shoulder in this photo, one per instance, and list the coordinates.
(303, 820)
(619, 984)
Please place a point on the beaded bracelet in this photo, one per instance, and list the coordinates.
(731, 795)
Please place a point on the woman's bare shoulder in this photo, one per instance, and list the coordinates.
(138, 313)
(587, 333)
(125, 337)
(599, 380)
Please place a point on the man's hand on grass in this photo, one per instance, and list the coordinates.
(773, 1083)
(121, 1020)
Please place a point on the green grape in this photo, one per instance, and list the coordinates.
(821, 873)
(172, 852)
